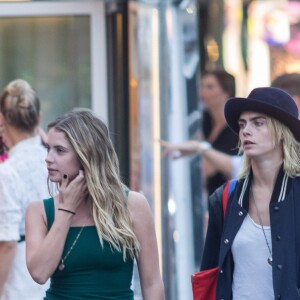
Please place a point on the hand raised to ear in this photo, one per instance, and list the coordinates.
(73, 192)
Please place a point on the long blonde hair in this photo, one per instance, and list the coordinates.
(90, 139)
(282, 136)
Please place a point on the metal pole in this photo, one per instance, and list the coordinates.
(180, 186)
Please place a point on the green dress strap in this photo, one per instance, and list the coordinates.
(50, 211)
(126, 190)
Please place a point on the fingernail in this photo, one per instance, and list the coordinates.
(65, 176)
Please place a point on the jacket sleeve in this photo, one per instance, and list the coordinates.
(214, 231)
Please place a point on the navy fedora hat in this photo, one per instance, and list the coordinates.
(270, 101)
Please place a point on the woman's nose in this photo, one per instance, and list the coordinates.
(48, 158)
(246, 130)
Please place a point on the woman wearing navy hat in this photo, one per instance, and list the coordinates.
(257, 245)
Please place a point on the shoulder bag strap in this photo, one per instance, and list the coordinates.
(228, 189)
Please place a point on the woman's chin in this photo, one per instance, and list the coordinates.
(54, 179)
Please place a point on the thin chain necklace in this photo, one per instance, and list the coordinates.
(61, 266)
(270, 259)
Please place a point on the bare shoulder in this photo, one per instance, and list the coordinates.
(136, 200)
(35, 206)
(35, 210)
(138, 205)
(39, 205)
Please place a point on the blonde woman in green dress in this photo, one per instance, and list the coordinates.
(85, 239)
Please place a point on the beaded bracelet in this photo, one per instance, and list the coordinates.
(68, 211)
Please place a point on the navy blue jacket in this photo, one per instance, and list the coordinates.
(285, 232)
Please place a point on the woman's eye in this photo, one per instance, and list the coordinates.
(258, 123)
(62, 149)
(241, 125)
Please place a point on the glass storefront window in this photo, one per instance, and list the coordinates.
(51, 53)
(59, 48)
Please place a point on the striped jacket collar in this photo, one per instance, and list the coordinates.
(279, 192)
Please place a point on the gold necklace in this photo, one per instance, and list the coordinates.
(61, 266)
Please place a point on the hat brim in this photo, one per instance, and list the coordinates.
(235, 106)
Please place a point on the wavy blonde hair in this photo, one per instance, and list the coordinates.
(281, 135)
(90, 139)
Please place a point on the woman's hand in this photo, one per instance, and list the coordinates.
(73, 192)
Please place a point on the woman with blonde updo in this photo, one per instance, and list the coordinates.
(23, 178)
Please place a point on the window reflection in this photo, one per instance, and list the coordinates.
(53, 54)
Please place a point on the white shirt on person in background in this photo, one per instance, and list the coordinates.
(23, 179)
(236, 162)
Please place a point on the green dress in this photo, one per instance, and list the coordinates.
(91, 272)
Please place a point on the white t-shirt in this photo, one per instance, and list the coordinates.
(252, 275)
(23, 179)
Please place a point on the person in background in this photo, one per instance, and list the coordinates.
(3, 151)
(289, 82)
(225, 163)
(257, 245)
(23, 178)
(85, 239)
(216, 87)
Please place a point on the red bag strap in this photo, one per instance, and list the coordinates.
(226, 193)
